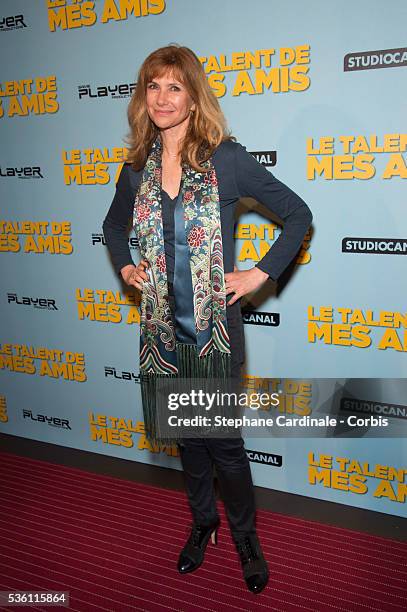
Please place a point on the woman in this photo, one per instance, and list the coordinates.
(181, 182)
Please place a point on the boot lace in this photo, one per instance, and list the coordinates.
(196, 534)
(245, 550)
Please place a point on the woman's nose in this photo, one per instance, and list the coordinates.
(162, 96)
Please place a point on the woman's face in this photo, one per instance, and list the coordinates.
(168, 102)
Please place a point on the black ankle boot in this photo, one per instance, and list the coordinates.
(254, 566)
(192, 554)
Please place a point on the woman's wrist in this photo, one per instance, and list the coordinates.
(126, 271)
(259, 274)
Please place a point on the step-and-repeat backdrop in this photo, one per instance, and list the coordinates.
(316, 92)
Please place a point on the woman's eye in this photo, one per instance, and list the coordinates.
(154, 86)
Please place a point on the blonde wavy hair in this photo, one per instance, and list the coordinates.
(207, 125)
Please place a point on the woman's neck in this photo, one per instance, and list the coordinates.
(172, 139)
(171, 146)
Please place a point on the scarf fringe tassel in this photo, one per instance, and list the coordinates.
(215, 364)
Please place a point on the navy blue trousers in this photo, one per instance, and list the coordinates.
(228, 455)
(198, 456)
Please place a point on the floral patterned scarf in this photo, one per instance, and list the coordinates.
(160, 352)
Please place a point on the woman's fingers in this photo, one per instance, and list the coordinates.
(234, 299)
(134, 279)
(139, 276)
(135, 275)
(142, 274)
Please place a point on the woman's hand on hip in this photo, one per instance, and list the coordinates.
(241, 282)
(135, 275)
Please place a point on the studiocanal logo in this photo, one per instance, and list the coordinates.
(123, 90)
(122, 375)
(52, 421)
(255, 317)
(25, 172)
(375, 246)
(396, 411)
(42, 303)
(266, 158)
(99, 240)
(267, 458)
(368, 60)
(13, 22)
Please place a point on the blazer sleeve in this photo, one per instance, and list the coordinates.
(116, 223)
(254, 180)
